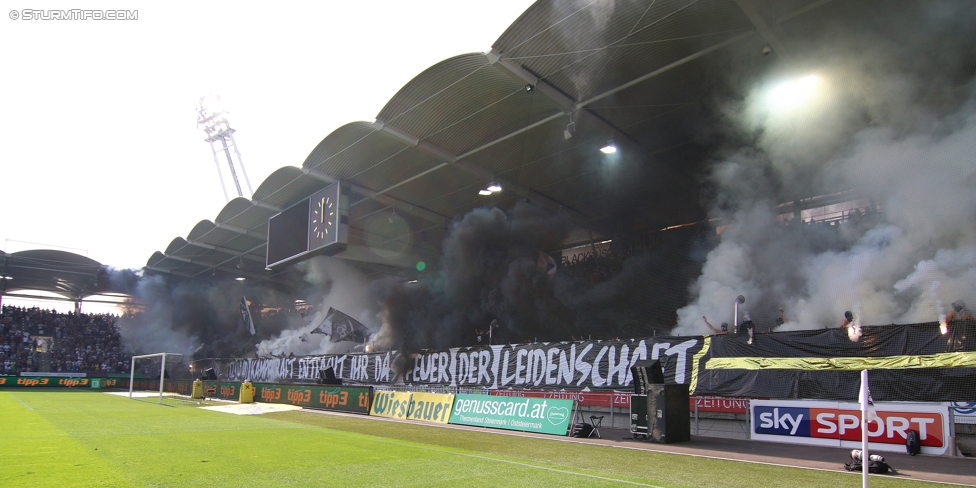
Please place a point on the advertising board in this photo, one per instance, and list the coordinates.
(392, 404)
(542, 415)
(719, 404)
(42, 381)
(622, 399)
(964, 412)
(354, 399)
(430, 407)
(839, 424)
(586, 398)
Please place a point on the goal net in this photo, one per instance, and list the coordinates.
(150, 372)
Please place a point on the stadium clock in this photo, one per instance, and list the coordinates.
(324, 218)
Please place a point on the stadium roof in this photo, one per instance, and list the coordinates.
(66, 274)
(636, 73)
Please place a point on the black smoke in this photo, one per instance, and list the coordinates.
(200, 317)
(489, 272)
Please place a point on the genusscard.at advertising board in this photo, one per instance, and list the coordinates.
(839, 424)
(542, 415)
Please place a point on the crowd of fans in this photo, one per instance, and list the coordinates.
(36, 340)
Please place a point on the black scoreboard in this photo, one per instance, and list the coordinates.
(316, 225)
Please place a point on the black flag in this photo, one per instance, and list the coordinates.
(341, 327)
(246, 315)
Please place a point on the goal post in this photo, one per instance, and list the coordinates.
(173, 357)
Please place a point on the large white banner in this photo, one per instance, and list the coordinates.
(576, 365)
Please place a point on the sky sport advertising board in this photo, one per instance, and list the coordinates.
(839, 424)
(541, 415)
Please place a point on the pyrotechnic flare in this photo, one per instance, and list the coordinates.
(943, 321)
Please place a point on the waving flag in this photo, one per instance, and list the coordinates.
(341, 327)
(246, 315)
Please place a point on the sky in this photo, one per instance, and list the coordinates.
(101, 152)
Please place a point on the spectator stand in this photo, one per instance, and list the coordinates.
(37, 340)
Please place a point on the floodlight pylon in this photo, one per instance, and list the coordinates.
(213, 120)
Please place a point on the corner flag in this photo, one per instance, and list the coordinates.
(864, 396)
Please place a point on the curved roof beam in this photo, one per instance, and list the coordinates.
(239, 230)
(748, 7)
(556, 207)
(241, 272)
(226, 250)
(233, 257)
(378, 196)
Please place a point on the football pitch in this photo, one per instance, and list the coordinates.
(85, 438)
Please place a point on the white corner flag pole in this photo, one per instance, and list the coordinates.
(864, 428)
(162, 376)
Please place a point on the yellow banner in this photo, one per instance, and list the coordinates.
(393, 404)
(694, 365)
(944, 360)
(430, 407)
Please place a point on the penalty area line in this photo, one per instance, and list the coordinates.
(544, 468)
(486, 458)
(22, 403)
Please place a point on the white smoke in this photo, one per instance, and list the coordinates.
(903, 144)
(346, 289)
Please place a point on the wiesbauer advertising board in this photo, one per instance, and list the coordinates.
(429, 407)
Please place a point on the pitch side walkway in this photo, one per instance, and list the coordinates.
(940, 469)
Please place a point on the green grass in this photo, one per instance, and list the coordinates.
(81, 438)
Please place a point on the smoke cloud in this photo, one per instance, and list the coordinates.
(201, 317)
(340, 286)
(876, 117)
(489, 272)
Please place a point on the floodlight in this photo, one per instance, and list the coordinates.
(484, 192)
(494, 187)
(529, 88)
(792, 93)
(610, 148)
(240, 278)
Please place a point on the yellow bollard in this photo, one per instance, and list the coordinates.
(247, 392)
(197, 389)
